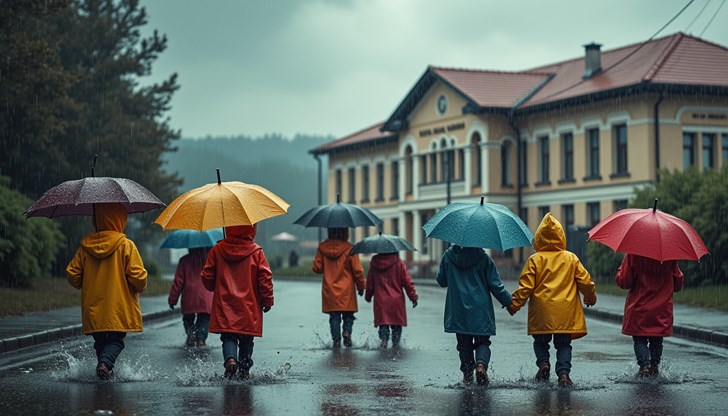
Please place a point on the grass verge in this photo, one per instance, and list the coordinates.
(49, 293)
(709, 296)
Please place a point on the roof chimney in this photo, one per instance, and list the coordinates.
(592, 59)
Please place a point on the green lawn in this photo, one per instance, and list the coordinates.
(709, 296)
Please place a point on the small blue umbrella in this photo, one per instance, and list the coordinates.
(382, 243)
(192, 238)
(484, 225)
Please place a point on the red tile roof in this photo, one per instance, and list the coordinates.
(366, 135)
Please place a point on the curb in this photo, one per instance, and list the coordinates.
(44, 337)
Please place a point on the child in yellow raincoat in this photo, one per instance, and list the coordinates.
(109, 271)
(551, 281)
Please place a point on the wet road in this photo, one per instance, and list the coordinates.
(297, 373)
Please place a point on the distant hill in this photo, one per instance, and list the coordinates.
(283, 166)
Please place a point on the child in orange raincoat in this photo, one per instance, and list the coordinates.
(648, 306)
(109, 271)
(343, 278)
(551, 281)
(238, 272)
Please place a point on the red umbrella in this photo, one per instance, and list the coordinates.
(649, 233)
(78, 197)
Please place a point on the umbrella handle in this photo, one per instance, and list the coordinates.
(218, 176)
(654, 207)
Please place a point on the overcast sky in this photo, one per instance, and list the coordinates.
(330, 67)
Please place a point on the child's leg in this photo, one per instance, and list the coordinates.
(482, 350)
(655, 351)
(108, 346)
(641, 352)
(541, 349)
(348, 318)
(229, 346)
(562, 344)
(396, 334)
(465, 351)
(384, 332)
(188, 321)
(202, 325)
(335, 325)
(245, 354)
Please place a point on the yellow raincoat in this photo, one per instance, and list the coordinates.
(551, 280)
(109, 271)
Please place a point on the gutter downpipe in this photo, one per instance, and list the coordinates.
(320, 191)
(519, 173)
(657, 136)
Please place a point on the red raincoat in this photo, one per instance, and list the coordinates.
(238, 273)
(387, 278)
(342, 274)
(651, 284)
(187, 282)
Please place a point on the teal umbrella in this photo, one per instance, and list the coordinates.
(192, 238)
(484, 225)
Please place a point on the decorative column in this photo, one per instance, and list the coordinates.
(467, 168)
(417, 233)
(484, 170)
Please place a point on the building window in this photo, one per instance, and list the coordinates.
(724, 148)
(365, 183)
(380, 181)
(708, 150)
(567, 157)
(395, 226)
(425, 241)
(594, 211)
(461, 164)
(567, 215)
(423, 170)
(395, 180)
(592, 153)
(523, 214)
(339, 183)
(542, 211)
(524, 164)
(352, 186)
(543, 146)
(433, 164)
(477, 158)
(688, 150)
(506, 149)
(620, 149)
(619, 204)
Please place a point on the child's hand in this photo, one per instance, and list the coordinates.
(414, 304)
(511, 309)
(171, 306)
(590, 304)
(361, 293)
(266, 309)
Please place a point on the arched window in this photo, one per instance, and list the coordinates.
(506, 152)
(433, 163)
(477, 159)
(445, 162)
(409, 171)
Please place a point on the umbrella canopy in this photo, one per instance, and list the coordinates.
(284, 236)
(649, 233)
(338, 215)
(192, 238)
(221, 204)
(78, 197)
(382, 243)
(485, 225)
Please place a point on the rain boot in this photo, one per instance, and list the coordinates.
(543, 373)
(481, 375)
(231, 367)
(565, 381)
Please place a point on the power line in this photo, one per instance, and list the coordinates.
(687, 29)
(671, 20)
(711, 19)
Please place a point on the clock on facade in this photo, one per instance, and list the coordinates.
(441, 104)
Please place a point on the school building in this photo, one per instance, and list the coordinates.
(573, 138)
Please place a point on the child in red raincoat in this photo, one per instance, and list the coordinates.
(388, 277)
(648, 307)
(196, 300)
(238, 273)
(343, 279)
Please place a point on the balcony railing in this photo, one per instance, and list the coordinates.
(439, 189)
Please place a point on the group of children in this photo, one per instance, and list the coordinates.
(238, 290)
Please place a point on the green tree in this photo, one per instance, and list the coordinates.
(700, 199)
(27, 247)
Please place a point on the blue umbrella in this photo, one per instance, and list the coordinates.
(192, 238)
(485, 225)
(382, 243)
(338, 215)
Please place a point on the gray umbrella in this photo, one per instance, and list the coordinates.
(338, 215)
(382, 243)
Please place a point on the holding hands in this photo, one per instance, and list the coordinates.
(511, 309)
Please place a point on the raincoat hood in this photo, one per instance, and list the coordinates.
(110, 222)
(238, 243)
(384, 261)
(465, 257)
(334, 248)
(549, 235)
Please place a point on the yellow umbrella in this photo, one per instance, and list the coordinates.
(221, 204)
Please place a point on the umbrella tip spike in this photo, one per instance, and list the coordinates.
(654, 207)
(481, 200)
(338, 198)
(218, 176)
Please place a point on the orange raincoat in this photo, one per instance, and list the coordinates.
(551, 281)
(342, 274)
(109, 271)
